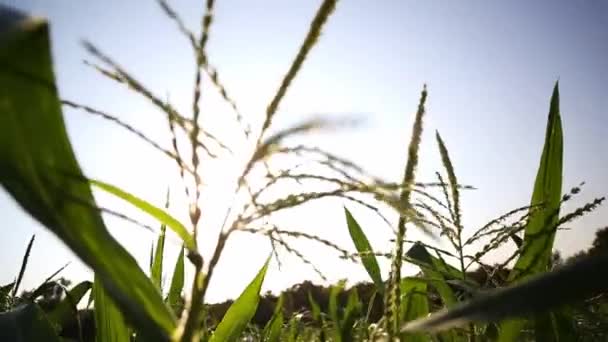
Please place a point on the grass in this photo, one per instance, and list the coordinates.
(39, 170)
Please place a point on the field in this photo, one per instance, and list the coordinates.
(530, 295)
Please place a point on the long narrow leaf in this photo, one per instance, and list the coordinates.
(177, 283)
(157, 263)
(110, 325)
(241, 311)
(38, 166)
(67, 308)
(540, 230)
(156, 273)
(161, 215)
(365, 250)
(436, 270)
(570, 283)
(414, 304)
(26, 256)
(272, 330)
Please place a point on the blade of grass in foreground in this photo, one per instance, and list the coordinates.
(36, 158)
(540, 230)
(365, 250)
(241, 311)
(161, 215)
(567, 284)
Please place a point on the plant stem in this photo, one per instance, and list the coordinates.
(190, 331)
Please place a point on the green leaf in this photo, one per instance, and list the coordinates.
(437, 271)
(157, 264)
(241, 311)
(110, 325)
(414, 304)
(333, 301)
(67, 308)
(177, 283)
(26, 256)
(314, 308)
(272, 330)
(159, 214)
(39, 170)
(351, 312)
(365, 250)
(156, 272)
(572, 282)
(25, 324)
(540, 230)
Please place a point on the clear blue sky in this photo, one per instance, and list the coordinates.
(490, 67)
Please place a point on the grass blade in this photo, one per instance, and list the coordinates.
(315, 309)
(67, 308)
(177, 283)
(38, 166)
(364, 248)
(156, 272)
(110, 325)
(438, 271)
(539, 294)
(26, 256)
(241, 311)
(351, 312)
(159, 214)
(414, 304)
(540, 230)
(157, 263)
(272, 330)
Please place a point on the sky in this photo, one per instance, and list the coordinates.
(490, 67)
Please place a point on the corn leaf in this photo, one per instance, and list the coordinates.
(536, 295)
(540, 230)
(67, 308)
(351, 312)
(110, 325)
(159, 214)
(315, 308)
(241, 311)
(414, 304)
(26, 256)
(156, 273)
(26, 323)
(177, 283)
(39, 170)
(272, 330)
(437, 271)
(365, 250)
(333, 304)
